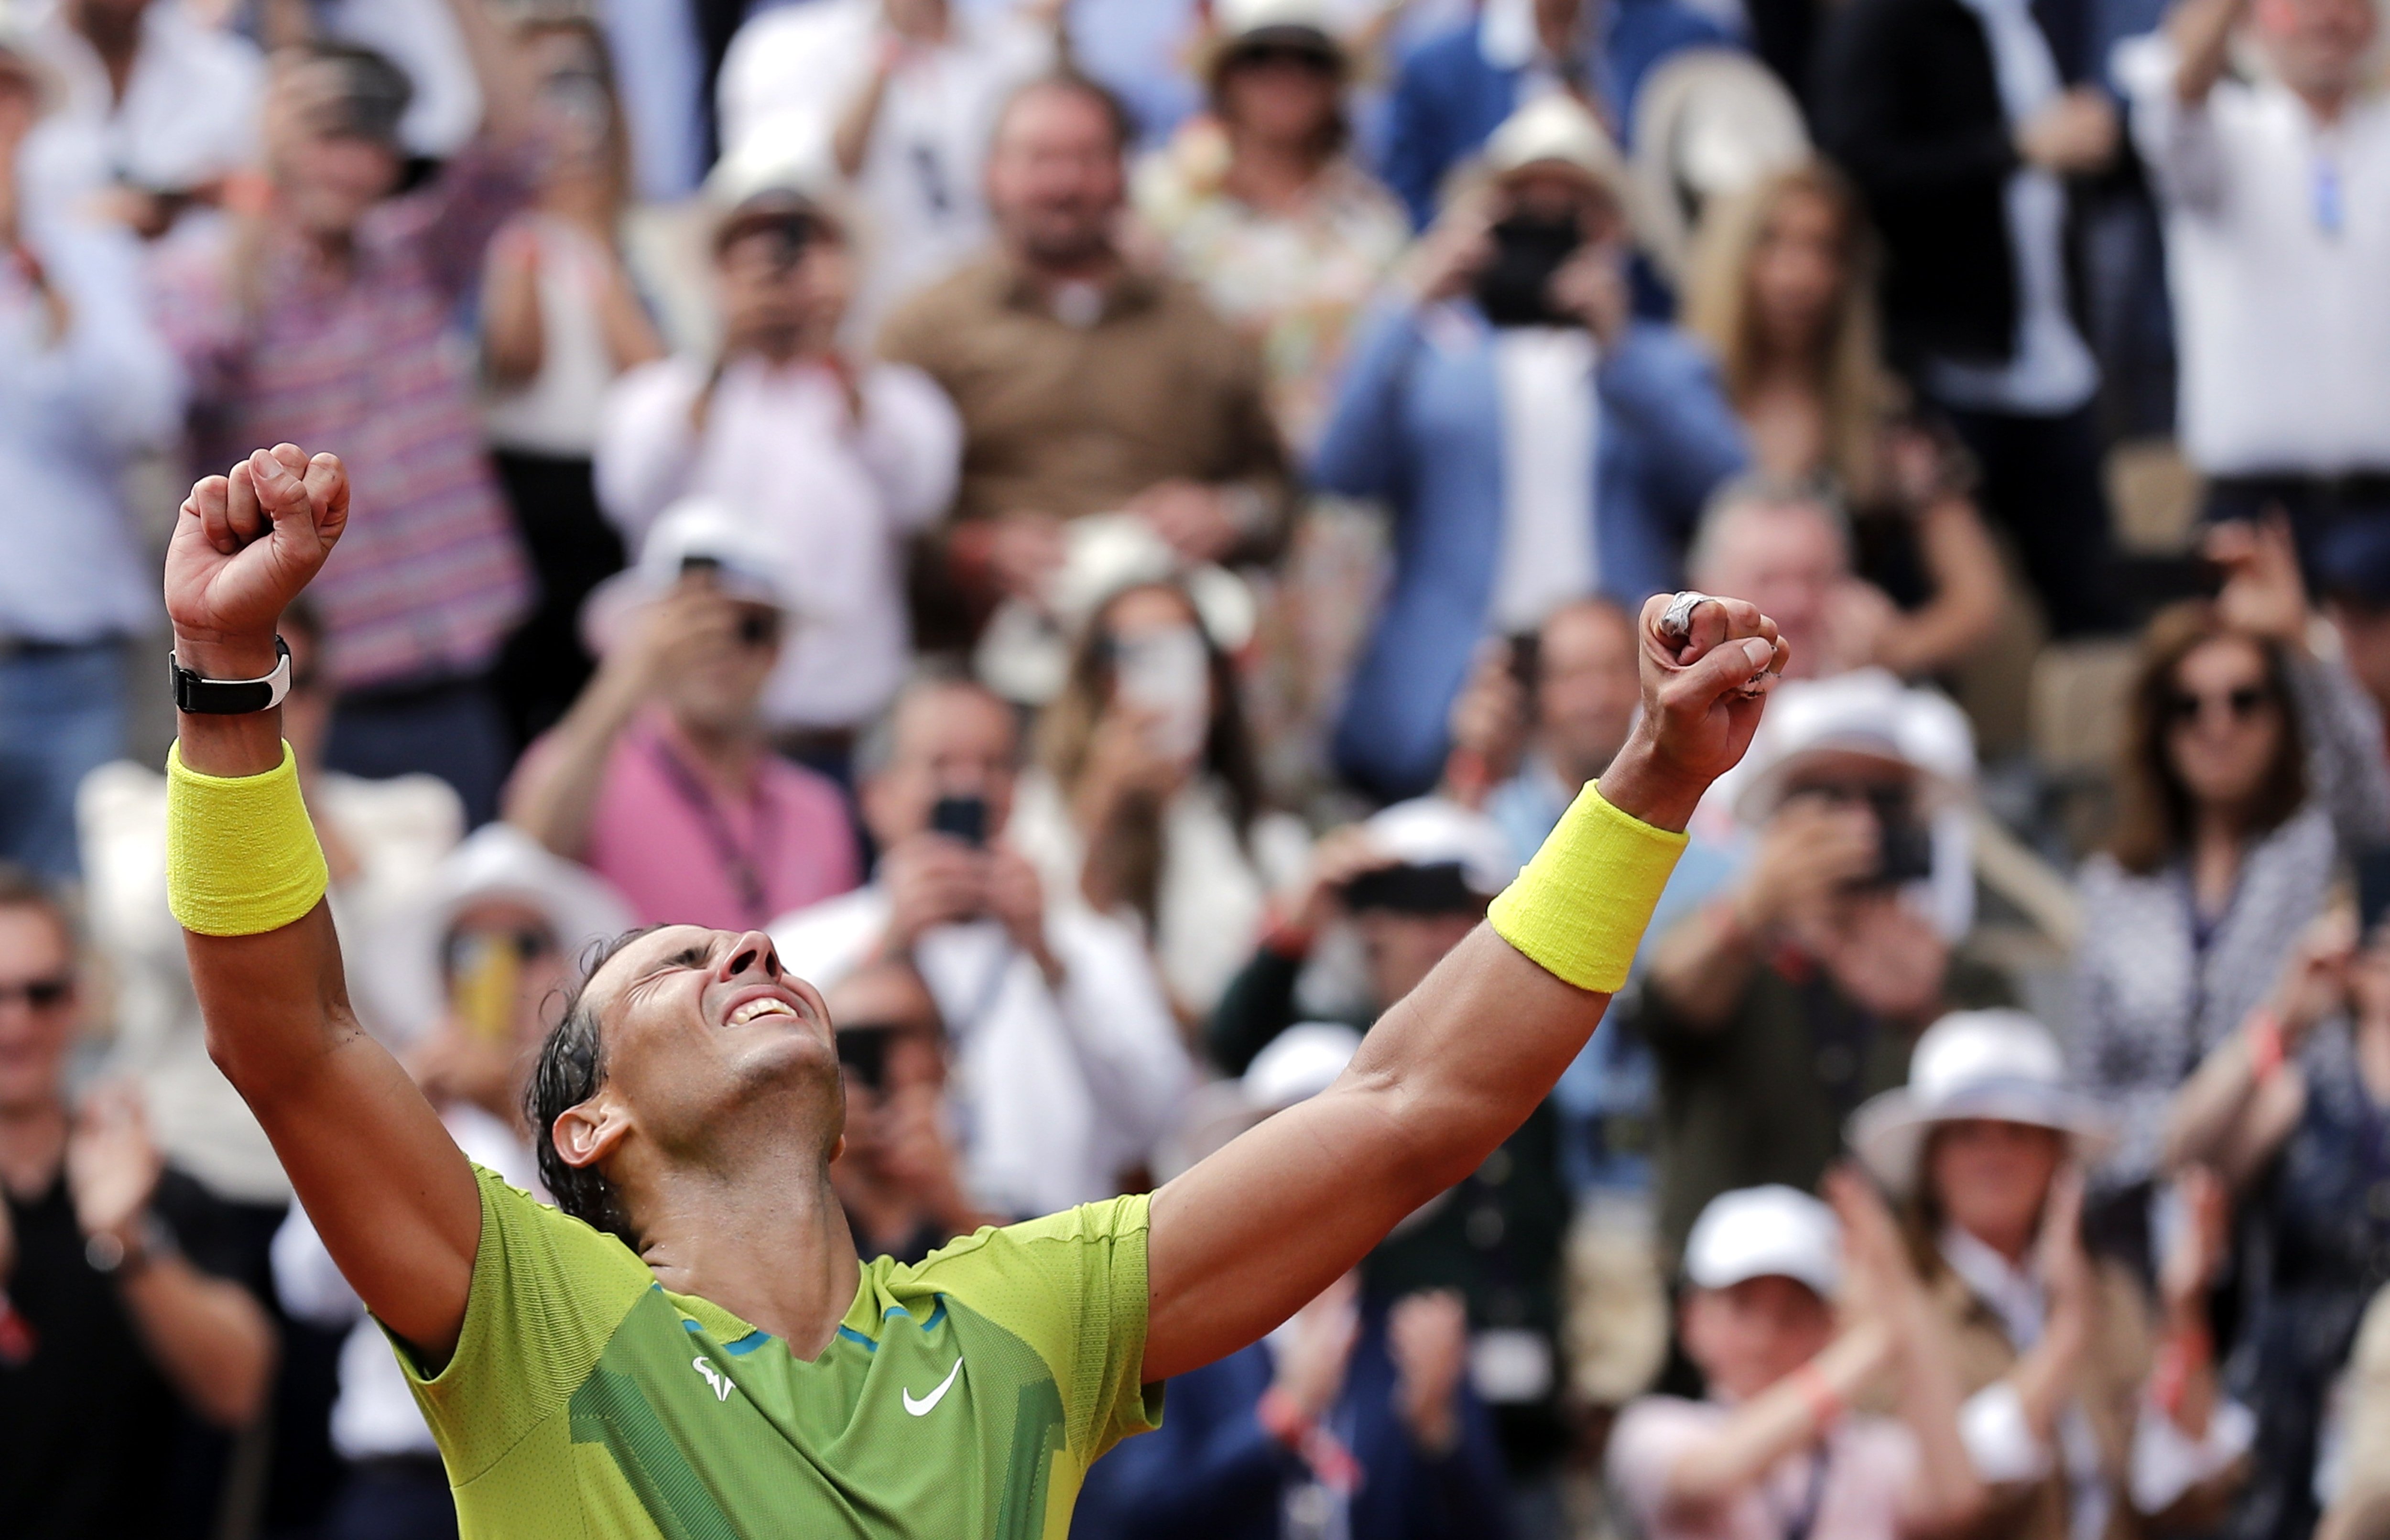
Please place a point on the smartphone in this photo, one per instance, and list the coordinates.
(1514, 287)
(1168, 675)
(1907, 840)
(963, 818)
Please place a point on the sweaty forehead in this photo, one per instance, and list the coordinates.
(645, 953)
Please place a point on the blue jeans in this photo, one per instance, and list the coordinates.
(61, 716)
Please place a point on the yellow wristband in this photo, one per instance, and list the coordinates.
(242, 856)
(1581, 907)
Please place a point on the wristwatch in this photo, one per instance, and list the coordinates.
(207, 696)
(111, 1255)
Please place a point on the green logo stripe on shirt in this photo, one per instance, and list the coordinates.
(611, 1409)
(1036, 1438)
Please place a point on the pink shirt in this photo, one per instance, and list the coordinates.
(1870, 1465)
(681, 856)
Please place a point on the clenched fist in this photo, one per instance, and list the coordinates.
(246, 544)
(1703, 694)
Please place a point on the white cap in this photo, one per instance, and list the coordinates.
(1766, 1232)
(1432, 831)
(1300, 1062)
(1999, 1065)
(1867, 712)
(747, 564)
(1557, 130)
(402, 968)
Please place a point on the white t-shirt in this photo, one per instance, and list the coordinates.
(1058, 1090)
(2283, 319)
(791, 74)
(189, 113)
(1552, 432)
(556, 411)
(1851, 1487)
(837, 501)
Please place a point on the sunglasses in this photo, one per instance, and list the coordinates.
(39, 993)
(2243, 702)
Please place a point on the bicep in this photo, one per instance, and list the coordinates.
(389, 1194)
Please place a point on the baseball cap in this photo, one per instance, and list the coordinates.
(696, 531)
(1442, 858)
(1771, 1231)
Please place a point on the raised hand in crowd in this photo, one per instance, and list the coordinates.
(1446, 259)
(2263, 593)
(2077, 134)
(2184, 1383)
(1318, 1350)
(1488, 726)
(2046, 1375)
(1337, 857)
(2249, 1093)
(1885, 955)
(1428, 1336)
(934, 879)
(112, 1164)
(1592, 286)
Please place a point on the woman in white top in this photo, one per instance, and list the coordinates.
(560, 319)
(1147, 802)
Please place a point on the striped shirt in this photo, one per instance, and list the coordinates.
(369, 363)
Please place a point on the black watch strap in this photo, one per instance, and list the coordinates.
(232, 696)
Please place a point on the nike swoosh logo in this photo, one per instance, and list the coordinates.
(926, 1404)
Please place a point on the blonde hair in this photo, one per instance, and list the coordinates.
(1858, 390)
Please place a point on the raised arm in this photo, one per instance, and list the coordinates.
(387, 1190)
(1250, 1234)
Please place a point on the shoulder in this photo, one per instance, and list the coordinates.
(916, 328)
(1037, 1274)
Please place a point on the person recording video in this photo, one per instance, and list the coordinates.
(1504, 373)
(1066, 1053)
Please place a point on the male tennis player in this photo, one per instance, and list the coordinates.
(692, 1348)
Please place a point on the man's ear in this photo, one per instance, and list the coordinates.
(587, 1133)
(837, 1149)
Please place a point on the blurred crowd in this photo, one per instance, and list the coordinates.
(1111, 529)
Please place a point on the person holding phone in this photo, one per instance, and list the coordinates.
(661, 778)
(1069, 1066)
(1535, 442)
(1147, 801)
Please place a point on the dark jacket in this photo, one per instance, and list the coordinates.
(1906, 101)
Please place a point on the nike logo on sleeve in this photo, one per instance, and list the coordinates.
(923, 1406)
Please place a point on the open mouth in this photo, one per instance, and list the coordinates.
(753, 1009)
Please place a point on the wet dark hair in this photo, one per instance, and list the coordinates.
(571, 1069)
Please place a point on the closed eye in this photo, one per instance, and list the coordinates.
(696, 956)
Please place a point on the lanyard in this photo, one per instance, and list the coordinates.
(1802, 1519)
(745, 871)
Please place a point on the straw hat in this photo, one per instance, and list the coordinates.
(2000, 1065)
(1709, 123)
(1556, 131)
(1242, 25)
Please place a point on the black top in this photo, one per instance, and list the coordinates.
(1906, 100)
(89, 1428)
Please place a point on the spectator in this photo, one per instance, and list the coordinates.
(2083, 1416)
(1535, 442)
(382, 841)
(1781, 289)
(837, 462)
(900, 1179)
(1085, 384)
(1775, 1451)
(1579, 701)
(1263, 208)
(1951, 117)
(1458, 88)
(2289, 1110)
(84, 387)
(444, 99)
(1357, 1412)
(1148, 804)
(1797, 991)
(483, 949)
(901, 97)
(158, 107)
(351, 292)
(661, 778)
(1068, 1060)
(2276, 275)
(560, 319)
(119, 1318)
(2249, 766)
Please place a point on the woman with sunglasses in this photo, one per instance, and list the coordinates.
(2250, 764)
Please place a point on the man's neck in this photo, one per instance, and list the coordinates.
(32, 1140)
(766, 1241)
(725, 756)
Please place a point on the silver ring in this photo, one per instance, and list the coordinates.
(1676, 621)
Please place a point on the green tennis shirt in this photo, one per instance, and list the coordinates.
(963, 1397)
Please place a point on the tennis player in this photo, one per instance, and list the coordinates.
(692, 1347)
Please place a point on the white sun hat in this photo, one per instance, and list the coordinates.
(1709, 123)
(1771, 1231)
(1436, 832)
(1869, 712)
(1300, 1062)
(403, 971)
(746, 562)
(2000, 1065)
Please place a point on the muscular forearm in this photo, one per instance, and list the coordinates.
(209, 1335)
